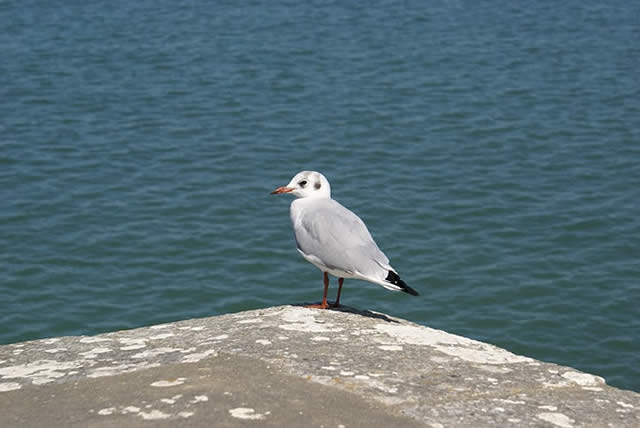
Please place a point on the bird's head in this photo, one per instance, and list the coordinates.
(307, 184)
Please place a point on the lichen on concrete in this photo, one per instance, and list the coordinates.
(408, 375)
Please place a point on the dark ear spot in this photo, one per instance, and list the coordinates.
(317, 185)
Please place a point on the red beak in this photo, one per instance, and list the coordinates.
(283, 189)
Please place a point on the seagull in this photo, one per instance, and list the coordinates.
(334, 239)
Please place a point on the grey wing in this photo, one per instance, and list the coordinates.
(340, 239)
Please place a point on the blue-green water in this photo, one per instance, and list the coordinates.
(493, 148)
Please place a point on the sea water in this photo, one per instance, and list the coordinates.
(492, 148)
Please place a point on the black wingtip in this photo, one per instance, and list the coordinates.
(394, 279)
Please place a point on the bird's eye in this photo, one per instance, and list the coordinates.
(303, 183)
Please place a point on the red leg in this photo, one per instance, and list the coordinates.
(340, 281)
(324, 304)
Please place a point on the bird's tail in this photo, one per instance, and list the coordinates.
(394, 279)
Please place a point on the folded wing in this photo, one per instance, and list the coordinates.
(338, 237)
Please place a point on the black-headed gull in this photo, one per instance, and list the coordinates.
(334, 239)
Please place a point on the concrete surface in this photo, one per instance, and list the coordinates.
(293, 366)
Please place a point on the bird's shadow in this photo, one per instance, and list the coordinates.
(351, 310)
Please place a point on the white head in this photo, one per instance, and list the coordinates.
(307, 184)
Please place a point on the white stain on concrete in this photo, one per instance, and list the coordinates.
(109, 371)
(154, 415)
(161, 336)
(558, 419)
(388, 389)
(198, 328)
(346, 373)
(54, 350)
(94, 352)
(302, 319)
(171, 400)
(247, 413)
(263, 342)
(450, 344)
(199, 399)
(151, 415)
(160, 326)
(132, 343)
(250, 321)
(195, 357)
(560, 384)
(390, 347)
(133, 347)
(168, 383)
(507, 401)
(94, 340)
(155, 352)
(625, 405)
(131, 340)
(490, 369)
(583, 379)
(321, 339)
(9, 386)
(40, 371)
(220, 337)
(552, 408)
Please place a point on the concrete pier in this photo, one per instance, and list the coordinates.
(293, 366)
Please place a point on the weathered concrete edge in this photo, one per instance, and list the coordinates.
(435, 377)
